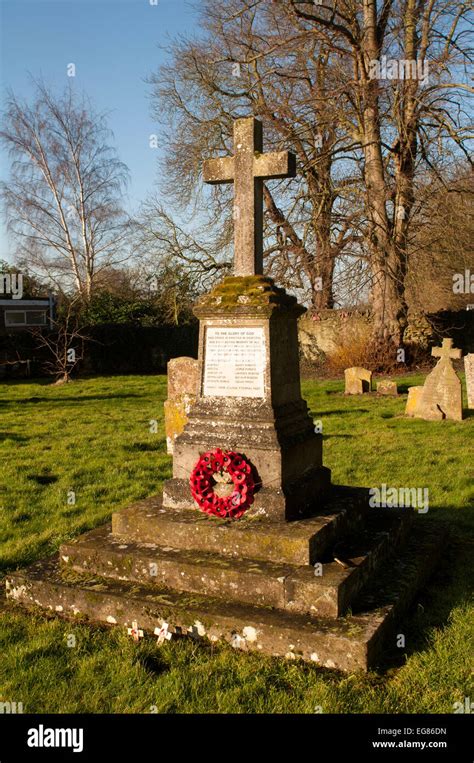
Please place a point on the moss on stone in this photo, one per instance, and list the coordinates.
(248, 292)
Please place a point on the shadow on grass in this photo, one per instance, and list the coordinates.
(403, 387)
(153, 663)
(71, 512)
(70, 398)
(18, 519)
(42, 479)
(40, 382)
(332, 436)
(338, 412)
(13, 436)
(146, 446)
(450, 586)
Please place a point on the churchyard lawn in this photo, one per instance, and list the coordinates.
(71, 455)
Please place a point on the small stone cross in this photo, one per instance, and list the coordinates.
(446, 352)
(135, 631)
(247, 169)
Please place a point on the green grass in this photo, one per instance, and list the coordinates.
(93, 437)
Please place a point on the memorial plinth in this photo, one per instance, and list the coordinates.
(249, 400)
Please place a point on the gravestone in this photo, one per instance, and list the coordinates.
(305, 569)
(387, 387)
(413, 400)
(357, 380)
(469, 369)
(441, 397)
(182, 374)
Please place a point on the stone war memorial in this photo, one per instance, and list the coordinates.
(249, 542)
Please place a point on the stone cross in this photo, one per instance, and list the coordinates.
(247, 169)
(446, 351)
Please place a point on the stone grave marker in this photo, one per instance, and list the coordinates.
(469, 368)
(413, 400)
(357, 380)
(441, 395)
(387, 387)
(182, 387)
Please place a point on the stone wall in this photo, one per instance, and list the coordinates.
(322, 333)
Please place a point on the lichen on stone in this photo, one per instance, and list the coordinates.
(240, 293)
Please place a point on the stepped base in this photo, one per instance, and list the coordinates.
(254, 537)
(261, 582)
(346, 643)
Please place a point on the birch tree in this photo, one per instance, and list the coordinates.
(63, 198)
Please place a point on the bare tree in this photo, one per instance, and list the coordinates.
(162, 244)
(63, 198)
(401, 118)
(64, 345)
(441, 244)
(256, 59)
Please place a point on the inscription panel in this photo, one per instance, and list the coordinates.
(234, 362)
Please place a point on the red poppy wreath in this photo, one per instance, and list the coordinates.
(222, 466)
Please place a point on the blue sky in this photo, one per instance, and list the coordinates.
(114, 45)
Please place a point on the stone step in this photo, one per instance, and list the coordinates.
(100, 552)
(348, 643)
(326, 591)
(300, 542)
(331, 593)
